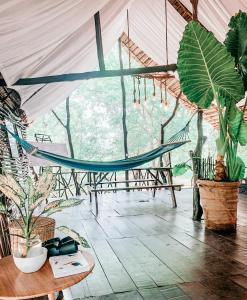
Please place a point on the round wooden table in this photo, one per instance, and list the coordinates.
(17, 285)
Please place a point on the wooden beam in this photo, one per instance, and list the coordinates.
(195, 9)
(99, 43)
(94, 74)
(182, 10)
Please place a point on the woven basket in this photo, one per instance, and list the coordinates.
(45, 230)
(219, 201)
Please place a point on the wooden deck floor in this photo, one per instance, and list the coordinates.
(144, 249)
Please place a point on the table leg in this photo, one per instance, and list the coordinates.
(67, 294)
(51, 296)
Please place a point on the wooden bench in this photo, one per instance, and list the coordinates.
(177, 187)
(154, 182)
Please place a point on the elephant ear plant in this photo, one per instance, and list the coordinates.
(212, 73)
(29, 202)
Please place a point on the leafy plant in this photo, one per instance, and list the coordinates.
(29, 200)
(208, 76)
(236, 43)
(181, 169)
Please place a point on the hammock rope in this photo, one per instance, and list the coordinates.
(176, 141)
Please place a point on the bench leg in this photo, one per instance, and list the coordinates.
(173, 197)
(96, 204)
(155, 183)
(169, 177)
(67, 294)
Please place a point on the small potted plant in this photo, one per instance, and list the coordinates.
(212, 73)
(27, 203)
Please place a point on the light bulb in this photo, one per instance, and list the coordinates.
(137, 104)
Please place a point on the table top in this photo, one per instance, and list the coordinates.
(17, 285)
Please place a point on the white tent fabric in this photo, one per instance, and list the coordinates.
(41, 38)
(147, 29)
(147, 24)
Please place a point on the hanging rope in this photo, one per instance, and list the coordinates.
(166, 40)
(145, 90)
(128, 31)
(166, 31)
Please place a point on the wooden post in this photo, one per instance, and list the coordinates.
(125, 130)
(196, 156)
(197, 209)
(70, 142)
(162, 126)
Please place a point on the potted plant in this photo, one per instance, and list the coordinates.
(27, 204)
(212, 73)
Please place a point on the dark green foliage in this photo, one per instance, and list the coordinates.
(236, 43)
(207, 73)
(180, 169)
(206, 69)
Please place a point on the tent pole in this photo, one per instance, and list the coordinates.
(94, 74)
(125, 130)
(99, 41)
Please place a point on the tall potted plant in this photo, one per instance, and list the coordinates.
(27, 204)
(212, 73)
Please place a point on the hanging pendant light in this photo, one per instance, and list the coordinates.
(165, 101)
(137, 103)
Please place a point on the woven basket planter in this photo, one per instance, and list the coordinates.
(219, 201)
(45, 230)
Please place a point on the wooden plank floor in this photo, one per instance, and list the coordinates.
(145, 249)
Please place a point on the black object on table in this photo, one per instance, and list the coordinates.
(58, 247)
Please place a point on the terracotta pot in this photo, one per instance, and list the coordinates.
(219, 201)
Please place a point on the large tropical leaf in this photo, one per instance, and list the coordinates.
(236, 43)
(42, 188)
(237, 169)
(235, 165)
(74, 235)
(206, 68)
(236, 126)
(45, 183)
(60, 204)
(242, 138)
(11, 189)
(53, 211)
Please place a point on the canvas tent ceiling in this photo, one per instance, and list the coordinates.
(40, 38)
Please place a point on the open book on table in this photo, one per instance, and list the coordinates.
(70, 264)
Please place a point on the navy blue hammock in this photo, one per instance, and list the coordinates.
(176, 141)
